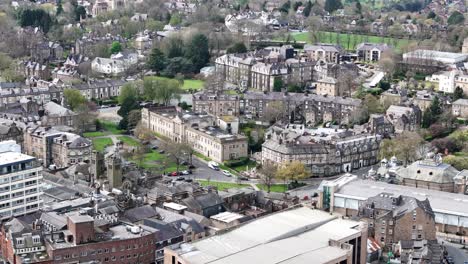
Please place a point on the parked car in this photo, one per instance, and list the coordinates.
(154, 147)
(186, 172)
(175, 173)
(227, 173)
(213, 165)
(162, 151)
(188, 180)
(244, 178)
(184, 163)
(180, 179)
(191, 166)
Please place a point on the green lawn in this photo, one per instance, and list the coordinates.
(93, 134)
(188, 83)
(279, 188)
(100, 144)
(129, 141)
(111, 127)
(154, 159)
(222, 185)
(354, 39)
(250, 164)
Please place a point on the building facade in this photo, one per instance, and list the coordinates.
(215, 103)
(199, 131)
(20, 189)
(325, 152)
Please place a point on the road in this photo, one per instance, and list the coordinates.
(459, 255)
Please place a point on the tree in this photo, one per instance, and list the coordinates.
(290, 171)
(432, 113)
(86, 116)
(456, 18)
(128, 100)
(315, 25)
(59, 9)
(80, 13)
(458, 93)
(198, 52)
(387, 63)
(267, 174)
(178, 65)
(446, 145)
(238, 47)
(157, 60)
(177, 152)
(373, 105)
(116, 47)
(143, 133)
(387, 149)
(74, 98)
(161, 90)
(133, 118)
(35, 18)
(307, 9)
(273, 112)
(175, 20)
(173, 46)
(278, 84)
(406, 146)
(333, 5)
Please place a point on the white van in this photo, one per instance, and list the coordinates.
(213, 165)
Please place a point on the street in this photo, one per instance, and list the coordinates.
(458, 255)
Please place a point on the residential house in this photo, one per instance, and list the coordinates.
(117, 64)
(371, 51)
(328, 52)
(460, 108)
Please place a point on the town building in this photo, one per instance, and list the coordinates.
(33, 69)
(21, 179)
(371, 51)
(398, 218)
(328, 52)
(404, 118)
(53, 147)
(429, 173)
(461, 80)
(300, 234)
(11, 131)
(432, 56)
(313, 108)
(325, 151)
(117, 64)
(344, 195)
(460, 108)
(263, 68)
(215, 103)
(199, 131)
(329, 86)
(57, 115)
(100, 89)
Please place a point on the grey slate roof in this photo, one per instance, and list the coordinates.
(203, 201)
(140, 213)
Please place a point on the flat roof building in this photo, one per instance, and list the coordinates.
(298, 235)
(436, 56)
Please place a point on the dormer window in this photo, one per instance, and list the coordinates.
(20, 241)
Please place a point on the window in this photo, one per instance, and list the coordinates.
(84, 253)
(99, 251)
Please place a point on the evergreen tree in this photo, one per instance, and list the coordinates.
(157, 60)
(307, 9)
(198, 51)
(432, 113)
(115, 47)
(238, 47)
(458, 93)
(332, 5)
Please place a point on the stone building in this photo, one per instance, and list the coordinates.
(100, 90)
(430, 173)
(11, 132)
(199, 131)
(215, 103)
(313, 109)
(57, 115)
(391, 219)
(328, 52)
(325, 151)
(53, 147)
(460, 108)
(328, 86)
(404, 118)
(262, 68)
(371, 51)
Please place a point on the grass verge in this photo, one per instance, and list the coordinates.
(188, 84)
(100, 144)
(93, 134)
(222, 185)
(129, 141)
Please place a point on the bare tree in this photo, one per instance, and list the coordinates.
(273, 112)
(268, 174)
(177, 152)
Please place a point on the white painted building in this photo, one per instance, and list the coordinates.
(115, 65)
(20, 182)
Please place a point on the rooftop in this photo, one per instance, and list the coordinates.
(14, 157)
(299, 235)
(227, 217)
